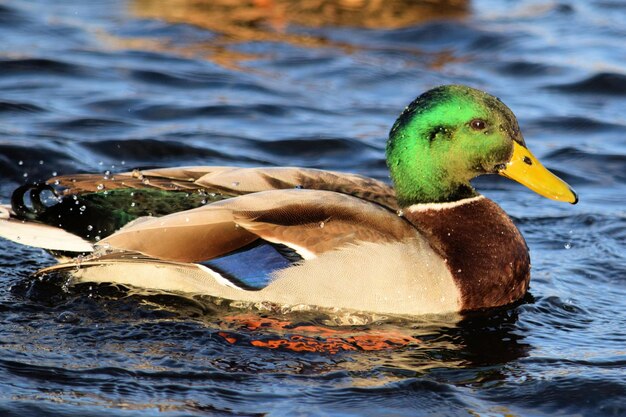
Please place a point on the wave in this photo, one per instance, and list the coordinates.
(607, 83)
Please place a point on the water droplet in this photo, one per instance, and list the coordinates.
(25, 174)
(568, 245)
(40, 162)
(82, 208)
(20, 163)
(132, 204)
(97, 238)
(90, 228)
(400, 213)
(322, 224)
(100, 186)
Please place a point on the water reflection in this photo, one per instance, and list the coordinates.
(263, 19)
(281, 21)
(472, 351)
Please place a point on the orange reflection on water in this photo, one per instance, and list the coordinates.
(234, 22)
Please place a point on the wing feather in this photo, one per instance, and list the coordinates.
(309, 221)
(235, 181)
(188, 236)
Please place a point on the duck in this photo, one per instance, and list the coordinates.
(427, 244)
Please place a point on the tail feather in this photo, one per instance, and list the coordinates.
(19, 206)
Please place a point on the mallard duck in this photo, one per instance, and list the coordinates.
(431, 244)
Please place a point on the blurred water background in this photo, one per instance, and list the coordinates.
(113, 85)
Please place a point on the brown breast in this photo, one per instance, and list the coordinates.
(485, 252)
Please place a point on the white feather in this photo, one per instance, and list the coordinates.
(42, 236)
(442, 206)
(5, 212)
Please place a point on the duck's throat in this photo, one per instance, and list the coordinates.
(432, 192)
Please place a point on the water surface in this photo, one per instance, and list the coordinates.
(113, 85)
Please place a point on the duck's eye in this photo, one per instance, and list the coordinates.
(478, 124)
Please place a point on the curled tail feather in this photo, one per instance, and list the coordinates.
(18, 203)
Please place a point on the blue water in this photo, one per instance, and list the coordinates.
(113, 85)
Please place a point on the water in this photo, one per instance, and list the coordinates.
(112, 85)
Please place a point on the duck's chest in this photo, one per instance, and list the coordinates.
(483, 249)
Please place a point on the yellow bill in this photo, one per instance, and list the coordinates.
(527, 170)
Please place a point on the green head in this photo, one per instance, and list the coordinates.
(446, 137)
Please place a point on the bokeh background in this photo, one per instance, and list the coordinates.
(114, 85)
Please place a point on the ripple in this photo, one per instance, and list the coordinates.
(601, 166)
(18, 107)
(39, 66)
(173, 112)
(157, 150)
(606, 83)
(575, 123)
(314, 147)
(528, 69)
(447, 34)
(196, 80)
(427, 396)
(571, 395)
(121, 106)
(88, 123)
(10, 155)
(10, 17)
(557, 314)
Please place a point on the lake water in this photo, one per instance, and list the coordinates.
(113, 85)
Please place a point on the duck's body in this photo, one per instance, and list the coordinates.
(431, 245)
